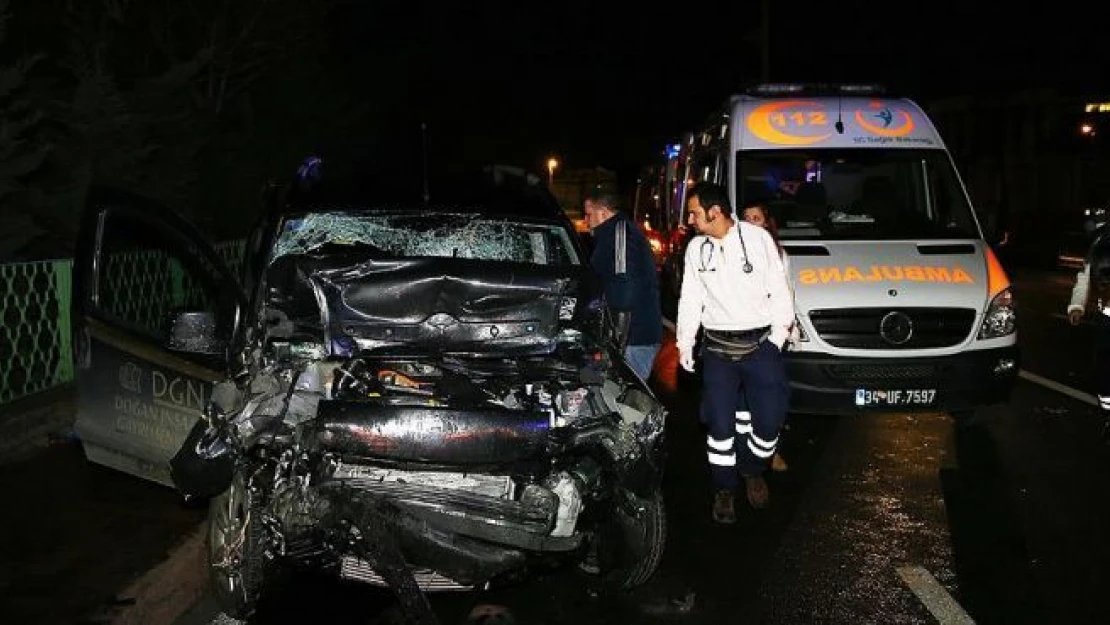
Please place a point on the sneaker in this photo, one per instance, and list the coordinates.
(778, 465)
(757, 492)
(723, 509)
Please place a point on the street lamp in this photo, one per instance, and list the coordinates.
(552, 163)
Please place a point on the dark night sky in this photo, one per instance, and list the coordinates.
(595, 85)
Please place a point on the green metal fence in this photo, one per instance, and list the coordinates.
(35, 335)
(35, 330)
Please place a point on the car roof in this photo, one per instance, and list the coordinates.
(493, 190)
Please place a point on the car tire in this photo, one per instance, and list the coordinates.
(236, 578)
(628, 550)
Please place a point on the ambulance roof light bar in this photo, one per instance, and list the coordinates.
(799, 89)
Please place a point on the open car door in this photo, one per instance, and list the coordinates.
(154, 312)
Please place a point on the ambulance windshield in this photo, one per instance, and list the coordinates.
(857, 194)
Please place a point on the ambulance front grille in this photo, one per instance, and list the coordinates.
(874, 374)
(858, 328)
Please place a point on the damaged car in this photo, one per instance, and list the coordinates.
(426, 396)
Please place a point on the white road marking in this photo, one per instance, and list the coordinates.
(936, 599)
(1059, 388)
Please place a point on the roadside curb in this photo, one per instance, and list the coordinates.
(168, 590)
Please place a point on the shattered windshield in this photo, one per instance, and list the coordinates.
(386, 235)
(861, 194)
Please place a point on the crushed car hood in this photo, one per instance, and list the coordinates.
(433, 303)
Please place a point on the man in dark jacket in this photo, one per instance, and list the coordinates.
(622, 258)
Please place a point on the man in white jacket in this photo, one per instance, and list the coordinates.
(734, 286)
(1092, 294)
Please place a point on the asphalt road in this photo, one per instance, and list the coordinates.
(889, 518)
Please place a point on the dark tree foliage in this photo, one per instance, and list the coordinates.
(193, 103)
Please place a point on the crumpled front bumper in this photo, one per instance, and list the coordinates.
(446, 540)
(523, 524)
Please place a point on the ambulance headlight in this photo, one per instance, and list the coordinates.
(1001, 316)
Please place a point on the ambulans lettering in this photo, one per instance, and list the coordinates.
(885, 273)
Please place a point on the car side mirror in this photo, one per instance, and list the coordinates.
(194, 332)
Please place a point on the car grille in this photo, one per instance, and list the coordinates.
(859, 328)
(470, 510)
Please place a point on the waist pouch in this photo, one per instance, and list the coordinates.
(734, 345)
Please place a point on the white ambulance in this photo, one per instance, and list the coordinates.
(902, 304)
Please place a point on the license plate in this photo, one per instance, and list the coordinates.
(895, 397)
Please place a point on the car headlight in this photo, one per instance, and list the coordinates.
(1000, 318)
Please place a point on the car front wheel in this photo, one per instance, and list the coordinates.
(236, 556)
(628, 548)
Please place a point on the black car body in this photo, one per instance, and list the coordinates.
(420, 395)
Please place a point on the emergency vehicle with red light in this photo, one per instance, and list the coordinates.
(901, 303)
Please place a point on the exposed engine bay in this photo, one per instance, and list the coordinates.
(434, 472)
(420, 395)
(427, 402)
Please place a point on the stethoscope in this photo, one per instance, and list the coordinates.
(706, 257)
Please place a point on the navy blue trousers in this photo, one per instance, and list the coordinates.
(743, 406)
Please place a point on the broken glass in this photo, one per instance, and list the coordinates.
(451, 236)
